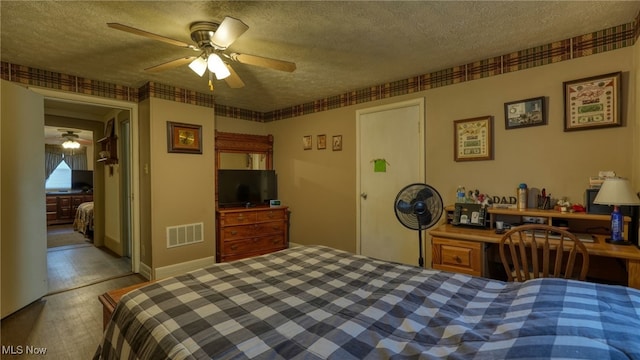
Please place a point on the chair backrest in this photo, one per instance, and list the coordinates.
(536, 251)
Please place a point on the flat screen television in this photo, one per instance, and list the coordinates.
(246, 188)
(81, 179)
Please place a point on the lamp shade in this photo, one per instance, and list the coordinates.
(217, 66)
(199, 66)
(616, 191)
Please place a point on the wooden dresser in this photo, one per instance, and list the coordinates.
(61, 208)
(243, 233)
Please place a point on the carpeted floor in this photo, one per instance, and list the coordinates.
(63, 235)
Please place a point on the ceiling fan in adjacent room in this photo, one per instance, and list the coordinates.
(70, 139)
(211, 40)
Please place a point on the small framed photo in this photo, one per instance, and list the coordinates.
(337, 142)
(108, 127)
(593, 102)
(307, 142)
(524, 113)
(473, 139)
(184, 138)
(321, 142)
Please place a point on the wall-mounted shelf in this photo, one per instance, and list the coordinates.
(108, 153)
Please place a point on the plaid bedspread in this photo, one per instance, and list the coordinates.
(321, 303)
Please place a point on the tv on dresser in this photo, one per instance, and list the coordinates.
(246, 188)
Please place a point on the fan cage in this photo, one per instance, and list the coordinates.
(434, 206)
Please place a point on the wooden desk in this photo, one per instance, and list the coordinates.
(459, 244)
(111, 298)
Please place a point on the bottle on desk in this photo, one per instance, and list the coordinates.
(461, 194)
(522, 195)
(617, 224)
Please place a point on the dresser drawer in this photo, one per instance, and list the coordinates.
(256, 244)
(457, 256)
(64, 201)
(245, 217)
(251, 230)
(276, 214)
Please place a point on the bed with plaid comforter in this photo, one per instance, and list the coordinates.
(321, 303)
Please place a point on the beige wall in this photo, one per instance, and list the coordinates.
(181, 185)
(319, 185)
(113, 191)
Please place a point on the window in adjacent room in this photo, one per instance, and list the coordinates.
(60, 178)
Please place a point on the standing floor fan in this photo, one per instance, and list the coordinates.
(418, 207)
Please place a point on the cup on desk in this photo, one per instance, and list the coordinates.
(499, 227)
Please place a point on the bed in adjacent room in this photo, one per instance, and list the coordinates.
(83, 221)
(320, 303)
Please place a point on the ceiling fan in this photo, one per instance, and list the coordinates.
(69, 139)
(211, 40)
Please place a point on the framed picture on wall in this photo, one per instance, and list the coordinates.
(184, 138)
(524, 113)
(108, 127)
(592, 103)
(321, 142)
(336, 142)
(307, 142)
(473, 139)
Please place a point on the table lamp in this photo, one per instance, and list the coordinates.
(617, 192)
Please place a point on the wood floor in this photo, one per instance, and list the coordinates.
(67, 323)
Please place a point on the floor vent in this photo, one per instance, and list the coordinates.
(184, 234)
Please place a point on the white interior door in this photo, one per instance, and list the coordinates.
(23, 229)
(392, 136)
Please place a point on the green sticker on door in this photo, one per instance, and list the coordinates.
(380, 165)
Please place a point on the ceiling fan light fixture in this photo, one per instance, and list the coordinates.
(199, 66)
(217, 66)
(71, 144)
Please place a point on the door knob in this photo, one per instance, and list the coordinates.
(363, 195)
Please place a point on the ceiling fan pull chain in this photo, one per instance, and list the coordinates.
(210, 81)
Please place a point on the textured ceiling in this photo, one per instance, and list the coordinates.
(337, 46)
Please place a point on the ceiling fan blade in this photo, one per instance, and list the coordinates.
(233, 80)
(171, 64)
(228, 31)
(264, 62)
(149, 35)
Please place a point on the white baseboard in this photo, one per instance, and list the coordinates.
(181, 268)
(292, 244)
(145, 271)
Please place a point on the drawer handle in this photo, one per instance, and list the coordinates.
(240, 217)
(276, 241)
(234, 232)
(234, 247)
(457, 259)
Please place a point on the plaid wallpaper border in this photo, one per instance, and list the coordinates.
(613, 38)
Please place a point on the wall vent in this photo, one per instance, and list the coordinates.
(184, 234)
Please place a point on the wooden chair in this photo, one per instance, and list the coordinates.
(558, 253)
